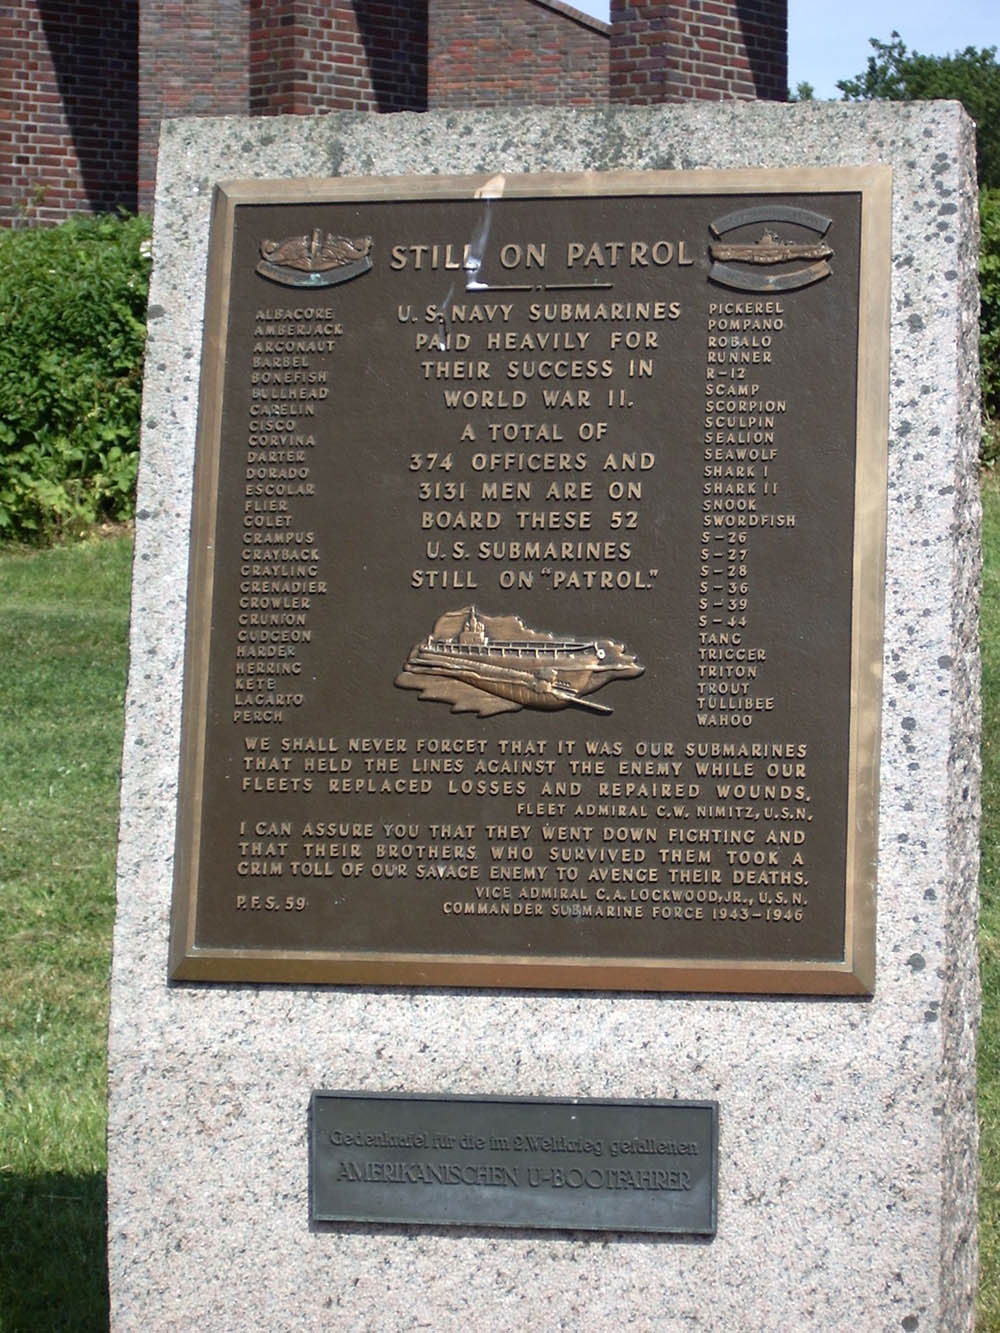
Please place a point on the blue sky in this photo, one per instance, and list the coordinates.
(827, 42)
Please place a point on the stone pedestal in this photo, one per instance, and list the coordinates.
(847, 1126)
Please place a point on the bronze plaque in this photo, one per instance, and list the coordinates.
(514, 1162)
(536, 583)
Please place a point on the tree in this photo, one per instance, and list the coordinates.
(989, 321)
(971, 77)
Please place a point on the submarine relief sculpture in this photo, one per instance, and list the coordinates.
(496, 664)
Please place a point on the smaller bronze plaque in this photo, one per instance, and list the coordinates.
(514, 1162)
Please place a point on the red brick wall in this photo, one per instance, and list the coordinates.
(528, 52)
(195, 60)
(356, 55)
(85, 83)
(68, 108)
(708, 49)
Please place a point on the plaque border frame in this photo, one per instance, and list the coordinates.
(855, 974)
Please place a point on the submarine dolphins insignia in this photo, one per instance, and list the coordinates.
(317, 260)
(495, 664)
(769, 249)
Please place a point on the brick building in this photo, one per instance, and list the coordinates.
(85, 83)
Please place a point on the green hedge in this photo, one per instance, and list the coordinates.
(989, 322)
(72, 332)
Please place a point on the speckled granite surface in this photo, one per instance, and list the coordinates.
(848, 1157)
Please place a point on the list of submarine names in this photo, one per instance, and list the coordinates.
(281, 567)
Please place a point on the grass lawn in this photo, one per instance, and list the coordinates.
(62, 654)
(989, 928)
(64, 615)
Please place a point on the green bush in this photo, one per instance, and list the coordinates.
(72, 332)
(989, 322)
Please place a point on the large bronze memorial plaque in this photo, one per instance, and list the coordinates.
(536, 583)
